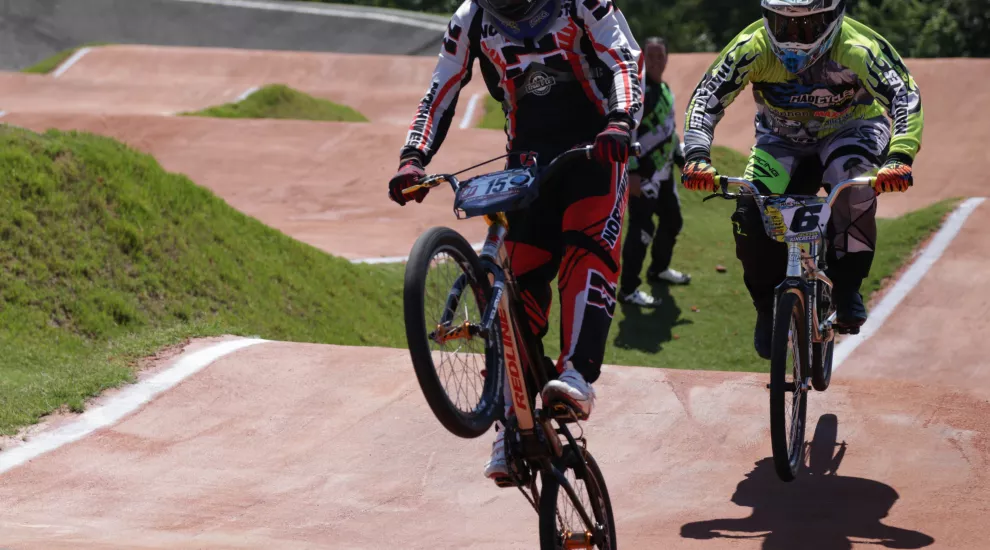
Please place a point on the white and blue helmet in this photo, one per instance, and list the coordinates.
(802, 31)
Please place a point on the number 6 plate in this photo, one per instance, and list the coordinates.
(789, 220)
(496, 192)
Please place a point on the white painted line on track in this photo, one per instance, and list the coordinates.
(247, 93)
(469, 113)
(127, 401)
(373, 15)
(70, 62)
(399, 259)
(942, 239)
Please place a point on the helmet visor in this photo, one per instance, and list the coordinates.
(806, 29)
(512, 9)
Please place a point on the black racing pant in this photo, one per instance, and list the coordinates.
(572, 231)
(659, 199)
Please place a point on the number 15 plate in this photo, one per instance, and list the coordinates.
(496, 192)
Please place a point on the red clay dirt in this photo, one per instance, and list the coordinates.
(383, 88)
(336, 448)
(937, 335)
(321, 183)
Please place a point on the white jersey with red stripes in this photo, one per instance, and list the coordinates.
(557, 90)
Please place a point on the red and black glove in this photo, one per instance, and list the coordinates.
(409, 174)
(895, 175)
(699, 175)
(612, 144)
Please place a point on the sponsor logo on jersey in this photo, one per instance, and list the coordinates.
(823, 98)
(539, 83)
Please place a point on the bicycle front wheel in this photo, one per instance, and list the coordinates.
(458, 368)
(561, 525)
(788, 393)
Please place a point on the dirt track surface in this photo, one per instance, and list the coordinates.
(336, 448)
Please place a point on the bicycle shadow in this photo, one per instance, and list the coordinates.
(819, 510)
(647, 329)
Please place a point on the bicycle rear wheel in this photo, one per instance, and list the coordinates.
(458, 368)
(561, 525)
(788, 393)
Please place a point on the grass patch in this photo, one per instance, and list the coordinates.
(494, 118)
(49, 64)
(279, 101)
(105, 258)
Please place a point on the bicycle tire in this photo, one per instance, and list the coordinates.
(480, 416)
(821, 353)
(821, 372)
(551, 538)
(788, 452)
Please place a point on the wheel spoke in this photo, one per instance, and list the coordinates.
(456, 360)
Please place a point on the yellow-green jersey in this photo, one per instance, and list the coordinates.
(861, 77)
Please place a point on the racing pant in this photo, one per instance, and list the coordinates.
(782, 166)
(572, 231)
(658, 196)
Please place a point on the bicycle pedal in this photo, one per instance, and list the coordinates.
(564, 413)
(505, 482)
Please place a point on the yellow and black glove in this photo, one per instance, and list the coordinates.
(895, 175)
(699, 175)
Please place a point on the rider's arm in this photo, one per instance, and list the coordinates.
(452, 72)
(725, 79)
(884, 74)
(609, 33)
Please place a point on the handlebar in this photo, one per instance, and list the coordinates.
(546, 173)
(725, 181)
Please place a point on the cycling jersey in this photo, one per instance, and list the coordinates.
(862, 77)
(657, 134)
(556, 91)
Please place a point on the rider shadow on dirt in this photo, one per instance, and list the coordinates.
(647, 329)
(819, 510)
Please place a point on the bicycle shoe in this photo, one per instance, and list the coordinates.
(763, 333)
(571, 388)
(850, 313)
(497, 468)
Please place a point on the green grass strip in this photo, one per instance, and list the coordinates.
(49, 64)
(282, 102)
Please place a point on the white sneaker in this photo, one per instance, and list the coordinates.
(672, 276)
(639, 298)
(496, 468)
(571, 388)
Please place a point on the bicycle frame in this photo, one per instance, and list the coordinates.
(803, 271)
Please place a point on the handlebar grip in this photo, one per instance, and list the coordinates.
(636, 149)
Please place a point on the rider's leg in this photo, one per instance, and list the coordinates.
(850, 152)
(668, 210)
(764, 261)
(533, 245)
(594, 205)
(642, 204)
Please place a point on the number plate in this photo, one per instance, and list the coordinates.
(496, 192)
(796, 220)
